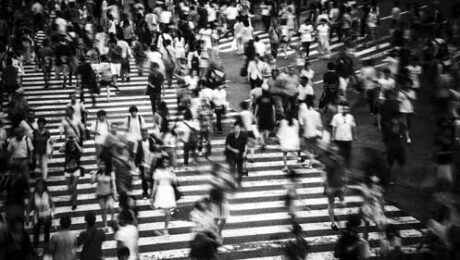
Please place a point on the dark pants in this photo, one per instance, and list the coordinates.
(235, 163)
(189, 147)
(306, 47)
(146, 180)
(205, 141)
(254, 83)
(345, 151)
(46, 223)
(274, 49)
(266, 20)
(372, 95)
(220, 111)
(155, 99)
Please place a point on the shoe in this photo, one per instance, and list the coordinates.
(74, 207)
(408, 141)
(250, 160)
(285, 169)
(299, 160)
(145, 197)
(128, 79)
(166, 234)
(334, 227)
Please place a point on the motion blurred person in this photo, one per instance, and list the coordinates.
(235, 152)
(91, 239)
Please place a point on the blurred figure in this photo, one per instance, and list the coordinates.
(41, 203)
(127, 236)
(91, 239)
(335, 180)
(63, 244)
(350, 245)
(293, 199)
(297, 248)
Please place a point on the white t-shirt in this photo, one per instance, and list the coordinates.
(323, 30)
(414, 75)
(343, 127)
(165, 17)
(310, 120)
(191, 81)
(102, 129)
(306, 31)
(405, 98)
(307, 73)
(231, 12)
(385, 84)
(134, 126)
(129, 236)
(305, 91)
(261, 48)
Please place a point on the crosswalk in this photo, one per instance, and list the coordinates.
(259, 222)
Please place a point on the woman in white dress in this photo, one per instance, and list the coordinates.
(288, 135)
(163, 196)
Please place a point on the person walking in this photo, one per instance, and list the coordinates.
(218, 198)
(155, 84)
(265, 115)
(42, 205)
(306, 31)
(187, 131)
(143, 160)
(91, 239)
(219, 100)
(288, 135)
(323, 31)
(63, 244)
(105, 191)
(235, 152)
(72, 170)
(343, 133)
(20, 152)
(312, 128)
(163, 193)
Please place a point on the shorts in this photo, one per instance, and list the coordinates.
(115, 68)
(76, 173)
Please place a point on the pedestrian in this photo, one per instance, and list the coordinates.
(105, 191)
(306, 31)
(205, 116)
(297, 248)
(71, 127)
(248, 122)
(106, 76)
(169, 59)
(72, 166)
(202, 217)
(323, 32)
(350, 245)
(187, 131)
(257, 70)
(265, 115)
(288, 135)
(63, 244)
(63, 55)
(343, 132)
(45, 59)
(88, 79)
(127, 236)
(312, 129)
(274, 34)
(335, 180)
(372, 210)
(100, 128)
(42, 205)
(163, 193)
(79, 110)
(134, 123)
(406, 98)
(20, 152)
(143, 160)
(235, 152)
(218, 198)
(155, 85)
(331, 91)
(91, 239)
(220, 103)
(115, 56)
(122, 168)
(140, 56)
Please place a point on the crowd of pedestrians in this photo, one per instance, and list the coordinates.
(88, 46)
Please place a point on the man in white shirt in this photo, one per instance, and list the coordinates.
(220, 105)
(231, 12)
(323, 30)
(305, 90)
(312, 126)
(100, 128)
(386, 83)
(79, 109)
(257, 69)
(306, 36)
(343, 132)
(133, 125)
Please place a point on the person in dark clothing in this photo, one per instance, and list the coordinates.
(63, 55)
(388, 111)
(204, 246)
(156, 80)
(297, 248)
(45, 59)
(331, 84)
(91, 239)
(144, 147)
(395, 148)
(235, 151)
(350, 246)
(9, 78)
(17, 188)
(88, 80)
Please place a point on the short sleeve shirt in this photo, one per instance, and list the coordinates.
(343, 125)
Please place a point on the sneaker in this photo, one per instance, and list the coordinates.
(285, 169)
(334, 227)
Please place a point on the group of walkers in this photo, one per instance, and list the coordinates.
(89, 45)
